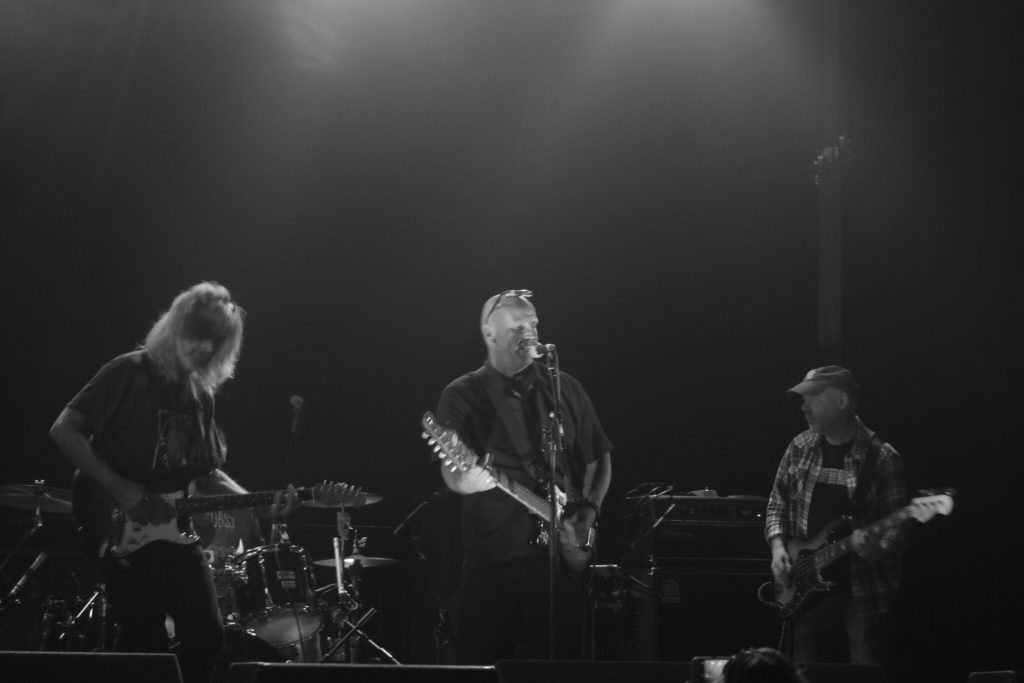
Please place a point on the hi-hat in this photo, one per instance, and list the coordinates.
(356, 500)
(363, 560)
(49, 499)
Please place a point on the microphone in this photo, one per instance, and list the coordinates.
(297, 404)
(538, 350)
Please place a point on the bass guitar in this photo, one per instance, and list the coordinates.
(811, 556)
(108, 530)
(575, 541)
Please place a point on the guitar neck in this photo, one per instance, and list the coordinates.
(233, 501)
(462, 457)
(834, 551)
(533, 502)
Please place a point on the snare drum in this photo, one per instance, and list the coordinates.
(274, 596)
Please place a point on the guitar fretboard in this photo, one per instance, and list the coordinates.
(233, 501)
(536, 504)
(464, 458)
(834, 551)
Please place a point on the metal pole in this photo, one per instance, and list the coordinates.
(830, 219)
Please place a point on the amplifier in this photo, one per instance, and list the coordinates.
(691, 530)
(690, 613)
(744, 510)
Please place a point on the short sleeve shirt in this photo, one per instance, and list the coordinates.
(148, 429)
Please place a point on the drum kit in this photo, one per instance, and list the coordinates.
(272, 608)
(274, 597)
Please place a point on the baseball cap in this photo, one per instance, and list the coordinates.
(819, 379)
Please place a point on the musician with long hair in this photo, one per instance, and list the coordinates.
(144, 425)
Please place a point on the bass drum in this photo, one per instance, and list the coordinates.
(240, 646)
(273, 593)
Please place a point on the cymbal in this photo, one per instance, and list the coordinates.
(362, 498)
(64, 494)
(50, 500)
(362, 559)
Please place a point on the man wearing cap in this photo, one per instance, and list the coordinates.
(501, 410)
(839, 467)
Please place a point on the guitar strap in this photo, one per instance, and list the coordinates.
(512, 419)
(867, 473)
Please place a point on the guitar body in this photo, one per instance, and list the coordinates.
(575, 542)
(106, 529)
(576, 545)
(127, 535)
(805, 579)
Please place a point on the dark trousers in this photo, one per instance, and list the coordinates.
(837, 628)
(163, 579)
(503, 613)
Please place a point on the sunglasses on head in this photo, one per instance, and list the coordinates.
(522, 294)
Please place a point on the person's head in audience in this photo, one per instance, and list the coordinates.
(761, 665)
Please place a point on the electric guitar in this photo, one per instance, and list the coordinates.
(108, 530)
(576, 543)
(811, 556)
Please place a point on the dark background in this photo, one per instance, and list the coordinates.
(363, 174)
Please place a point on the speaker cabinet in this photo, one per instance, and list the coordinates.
(710, 611)
(565, 671)
(110, 667)
(257, 672)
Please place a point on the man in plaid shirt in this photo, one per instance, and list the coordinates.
(815, 484)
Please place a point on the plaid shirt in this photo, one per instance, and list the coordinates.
(789, 507)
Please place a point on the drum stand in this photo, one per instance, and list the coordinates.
(87, 630)
(37, 524)
(348, 601)
(90, 626)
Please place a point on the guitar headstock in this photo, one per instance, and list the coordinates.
(925, 507)
(452, 452)
(332, 494)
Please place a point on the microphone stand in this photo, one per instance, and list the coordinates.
(554, 445)
(344, 525)
(442, 632)
(293, 437)
(650, 529)
(347, 602)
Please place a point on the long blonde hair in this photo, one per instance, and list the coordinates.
(203, 312)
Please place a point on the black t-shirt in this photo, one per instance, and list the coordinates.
(831, 500)
(150, 430)
(495, 527)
